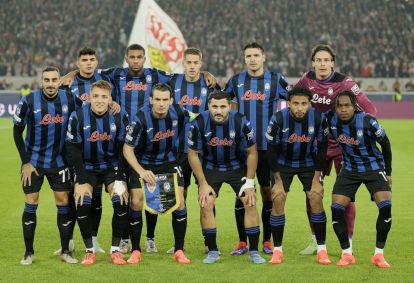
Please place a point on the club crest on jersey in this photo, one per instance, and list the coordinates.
(84, 97)
(267, 86)
(65, 108)
(232, 134)
(96, 136)
(250, 135)
(48, 119)
(311, 130)
(174, 123)
(160, 135)
(360, 133)
(203, 91)
(330, 91)
(269, 129)
(113, 127)
(148, 79)
(250, 95)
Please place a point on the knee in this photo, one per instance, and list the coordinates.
(32, 198)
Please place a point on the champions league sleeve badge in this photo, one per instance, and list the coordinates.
(162, 198)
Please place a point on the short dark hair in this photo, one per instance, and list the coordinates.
(102, 85)
(161, 87)
(297, 91)
(135, 47)
(193, 51)
(351, 96)
(323, 47)
(86, 51)
(219, 95)
(50, 69)
(253, 45)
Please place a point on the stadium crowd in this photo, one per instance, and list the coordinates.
(372, 38)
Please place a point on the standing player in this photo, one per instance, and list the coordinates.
(45, 112)
(94, 142)
(191, 92)
(292, 136)
(325, 84)
(257, 92)
(87, 63)
(222, 138)
(153, 135)
(357, 134)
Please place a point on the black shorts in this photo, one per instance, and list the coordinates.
(216, 179)
(134, 183)
(347, 183)
(186, 169)
(60, 180)
(305, 177)
(263, 169)
(98, 178)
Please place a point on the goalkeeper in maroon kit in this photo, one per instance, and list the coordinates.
(325, 83)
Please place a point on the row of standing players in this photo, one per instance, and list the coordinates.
(256, 92)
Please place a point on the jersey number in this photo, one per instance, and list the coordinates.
(65, 175)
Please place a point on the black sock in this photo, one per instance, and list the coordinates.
(266, 211)
(277, 225)
(210, 235)
(85, 222)
(63, 223)
(239, 213)
(73, 214)
(119, 220)
(151, 220)
(135, 228)
(179, 224)
(319, 225)
(253, 234)
(339, 225)
(383, 222)
(96, 210)
(29, 226)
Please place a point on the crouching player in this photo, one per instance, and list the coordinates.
(357, 134)
(222, 138)
(94, 142)
(293, 134)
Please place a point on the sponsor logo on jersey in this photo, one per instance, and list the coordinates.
(96, 136)
(344, 139)
(131, 85)
(295, 138)
(161, 135)
(250, 95)
(321, 99)
(48, 119)
(215, 141)
(186, 100)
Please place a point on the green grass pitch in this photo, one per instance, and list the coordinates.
(161, 268)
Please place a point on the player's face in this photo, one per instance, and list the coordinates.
(135, 60)
(100, 99)
(323, 65)
(50, 83)
(299, 106)
(254, 59)
(87, 64)
(219, 109)
(160, 101)
(192, 66)
(344, 108)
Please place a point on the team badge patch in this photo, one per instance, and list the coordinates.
(148, 79)
(360, 133)
(174, 123)
(267, 86)
(162, 198)
(113, 127)
(311, 130)
(64, 108)
(203, 91)
(232, 134)
(330, 91)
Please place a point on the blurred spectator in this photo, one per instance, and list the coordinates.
(25, 90)
(382, 86)
(409, 86)
(397, 93)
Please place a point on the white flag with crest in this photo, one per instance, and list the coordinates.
(160, 36)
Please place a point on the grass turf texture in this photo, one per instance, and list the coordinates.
(160, 267)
